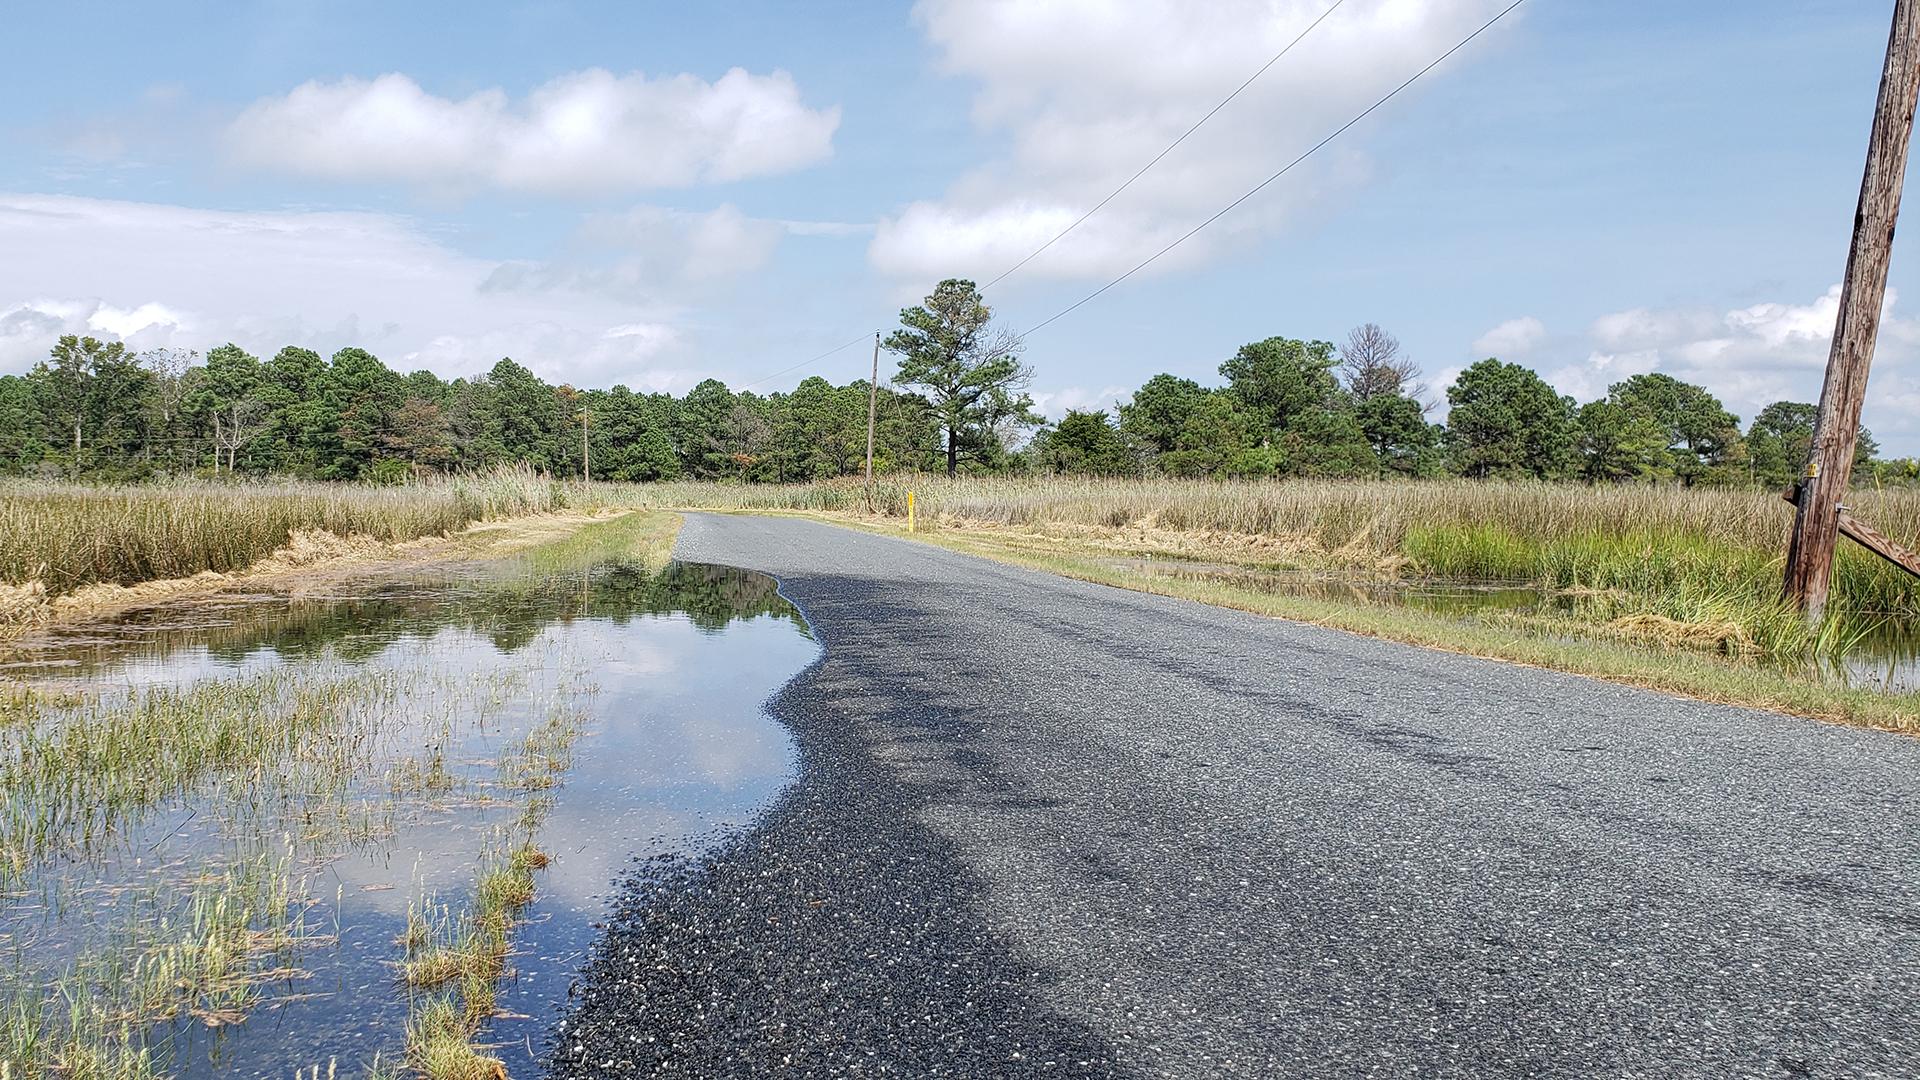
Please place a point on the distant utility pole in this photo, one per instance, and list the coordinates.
(873, 408)
(1830, 459)
(586, 466)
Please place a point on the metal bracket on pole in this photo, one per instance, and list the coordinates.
(1868, 537)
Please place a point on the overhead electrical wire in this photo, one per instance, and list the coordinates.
(806, 363)
(1257, 188)
(1008, 272)
(1222, 212)
(1110, 196)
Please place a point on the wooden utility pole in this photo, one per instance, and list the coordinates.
(873, 408)
(586, 467)
(1816, 524)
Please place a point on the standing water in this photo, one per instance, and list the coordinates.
(273, 832)
(1881, 654)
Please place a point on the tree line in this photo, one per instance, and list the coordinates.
(1309, 408)
(95, 409)
(957, 402)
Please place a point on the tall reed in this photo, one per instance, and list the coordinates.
(69, 535)
(1640, 537)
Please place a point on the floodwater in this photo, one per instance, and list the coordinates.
(661, 674)
(1883, 656)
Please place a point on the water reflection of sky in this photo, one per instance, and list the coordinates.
(671, 670)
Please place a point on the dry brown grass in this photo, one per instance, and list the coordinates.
(1643, 539)
(67, 536)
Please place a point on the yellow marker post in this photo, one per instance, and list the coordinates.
(909, 511)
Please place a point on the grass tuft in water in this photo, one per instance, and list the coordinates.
(438, 1046)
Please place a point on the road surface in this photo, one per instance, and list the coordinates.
(1047, 828)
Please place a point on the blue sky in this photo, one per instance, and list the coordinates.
(656, 193)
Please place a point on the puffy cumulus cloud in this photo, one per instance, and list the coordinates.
(1752, 356)
(1087, 91)
(29, 327)
(1054, 404)
(1514, 339)
(586, 132)
(194, 278)
(127, 323)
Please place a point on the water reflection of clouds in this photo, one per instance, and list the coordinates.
(676, 750)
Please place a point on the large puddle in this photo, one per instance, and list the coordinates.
(435, 728)
(1883, 655)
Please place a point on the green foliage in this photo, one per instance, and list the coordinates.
(1084, 443)
(1782, 435)
(1215, 438)
(90, 395)
(1700, 435)
(971, 373)
(633, 436)
(1326, 442)
(1620, 442)
(20, 423)
(1280, 379)
(1289, 408)
(1396, 429)
(1507, 422)
(1159, 411)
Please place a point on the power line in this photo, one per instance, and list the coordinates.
(1189, 234)
(1224, 102)
(1395, 92)
(805, 363)
(1170, 147)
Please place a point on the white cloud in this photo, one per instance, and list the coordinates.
(1788, 326)
(126, 324)
(29, 327)
(656, 252)
(1511, 340)
(1086, 91)
(1590, 379)
(196, 278)
(1053, 404)
(1642, 328)
(720, 243)
(585, 132)
(1752, 356)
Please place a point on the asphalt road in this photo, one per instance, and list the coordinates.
(1050, 828)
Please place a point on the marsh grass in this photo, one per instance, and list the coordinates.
(429, 777)
(319, 752)
(642, 537)
(72, 778)
(1698, 556)
(65, 536)
(459, 959)
(205, 958)
(439, 1047)
(204, 948)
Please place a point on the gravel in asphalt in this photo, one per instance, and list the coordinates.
(1048, 828)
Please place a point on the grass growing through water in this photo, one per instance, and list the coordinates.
(201, 949)
(1673, 588)
(458, 960)
(322, 752)
(69, 780)
(205, 958)
(1639, 538)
